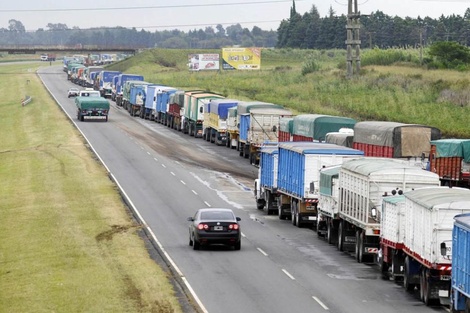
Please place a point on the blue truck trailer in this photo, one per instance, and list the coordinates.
(460, 292)
(122, 78)
(265, 190)
(162, 104)
(105, 81)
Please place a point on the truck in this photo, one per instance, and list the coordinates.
(428, 217)
(299, 164)
(232, 128)
(194, 111)
(88, 81)
(343, 137)
(133, 96)
(163, 102)
(104, 82)
(176, 110)
(314, 127)
(265, 188)
(216, 118)
(48, 57)
(450, 159)
(121, 80)
(362, 184)
(285, 128)
(260, 124)
(92, 108)
(460, 284)
(150, 104)
(385, 139)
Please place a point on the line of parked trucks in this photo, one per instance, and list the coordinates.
(387, 192)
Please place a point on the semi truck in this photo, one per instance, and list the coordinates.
(149, 110)
(121, 80)
(133, 96)
(362, 184)
(385, 139)
(285, 129)
(343, 137)
(216, 120)
(314, 127)
(105, 81)
(460, 283)
(422, 253)
(176, 110)
(87, 79)
(265, 189)
(299, 164)
(162, 98)
(232, 128)
(194, 111)
(92, 108)
(450, 159)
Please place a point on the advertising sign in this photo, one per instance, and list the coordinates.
(203, 62)
(241, 58)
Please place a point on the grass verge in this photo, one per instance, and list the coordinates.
(67, 242)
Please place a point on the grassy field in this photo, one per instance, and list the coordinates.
(67, 242)
(402, 92)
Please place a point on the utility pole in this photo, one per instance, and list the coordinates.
(353, 43)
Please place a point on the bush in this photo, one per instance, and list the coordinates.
(310, 66)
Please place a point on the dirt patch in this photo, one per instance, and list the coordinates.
(115, 229)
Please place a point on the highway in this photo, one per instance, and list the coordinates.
(168, 175)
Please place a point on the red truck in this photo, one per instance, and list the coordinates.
(450, 159)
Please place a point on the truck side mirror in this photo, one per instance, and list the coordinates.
(443, 249)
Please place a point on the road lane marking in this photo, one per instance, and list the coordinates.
(320, 303)
(183, 182)
(148, 153)
(288, 274)
(207, 203)
(262, 252)
(155, 159)
(194, 192)
(163, 165)
(173, 174)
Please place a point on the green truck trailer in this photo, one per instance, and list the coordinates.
(92, 108)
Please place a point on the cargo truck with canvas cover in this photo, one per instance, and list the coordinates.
(299, 165)
(194, 111)
(286, 125)
(314, 127)
(343, 137)
(460, 292)
(395, 140)
(258, 126)
(92, 108)
(429, 217)
(162, 98)
(327, 209)
(265, 189)
(133, 96)
(187, 108)
(105, 82)
(176, 110)
(149, 110)
(87, 81)
(450, 159)
(216, 131)
(362, 185)
(122, 79)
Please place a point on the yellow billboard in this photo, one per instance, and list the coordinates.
(241, 58)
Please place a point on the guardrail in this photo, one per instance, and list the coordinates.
(26, 100)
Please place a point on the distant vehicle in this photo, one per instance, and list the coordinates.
(73, 92)
(89, 92)
(214, 226)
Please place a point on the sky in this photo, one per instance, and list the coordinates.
(153, 15)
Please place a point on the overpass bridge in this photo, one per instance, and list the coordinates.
(33, 49)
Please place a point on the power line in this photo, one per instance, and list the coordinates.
(149, 7)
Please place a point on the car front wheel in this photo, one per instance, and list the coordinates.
(238, 245)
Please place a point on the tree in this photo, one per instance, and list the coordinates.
(16, 26)
(450, 53)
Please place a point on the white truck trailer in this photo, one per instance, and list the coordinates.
(362, 185)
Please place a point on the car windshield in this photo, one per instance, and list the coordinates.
(217, 215)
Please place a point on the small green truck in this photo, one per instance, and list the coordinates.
(92, 108)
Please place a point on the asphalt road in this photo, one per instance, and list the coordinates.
(280, 268)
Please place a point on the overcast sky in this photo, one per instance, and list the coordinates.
(190, 14)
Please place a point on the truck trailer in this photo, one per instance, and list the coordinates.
(194, 111)
(121, 80)
(265, 189)
(176, 110)
(450, 159)
(460, 284)
(215, 120)
(314, 127)
(92, 108)
(363, 183)
(105, 82)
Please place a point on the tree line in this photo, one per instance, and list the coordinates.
(307, 31)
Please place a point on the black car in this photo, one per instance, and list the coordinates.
(214, 226)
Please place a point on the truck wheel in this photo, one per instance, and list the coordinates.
(467, 307)
(279, 213)
(357, 251)
(406, 277)
(340, 244)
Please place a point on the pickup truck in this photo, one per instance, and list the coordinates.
(89, 92)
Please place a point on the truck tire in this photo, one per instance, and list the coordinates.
(467, 306)
(329, 232)
(406, 277)
(340, 244)
(359, 247)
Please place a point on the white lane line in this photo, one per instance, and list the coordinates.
(288, 274)
(194, 192)
(142, 148)
(163, 165)
(262, 252)
(207, 203)
(173, 174)
(243, 235)
(155, 159)
(183, 182)
(320, 303)
(148, 153)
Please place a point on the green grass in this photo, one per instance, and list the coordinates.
(67, 242)
(399, 91)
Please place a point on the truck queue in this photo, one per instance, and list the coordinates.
(388, 192)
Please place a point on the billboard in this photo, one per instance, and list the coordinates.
(241, 58)
(203, 62)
